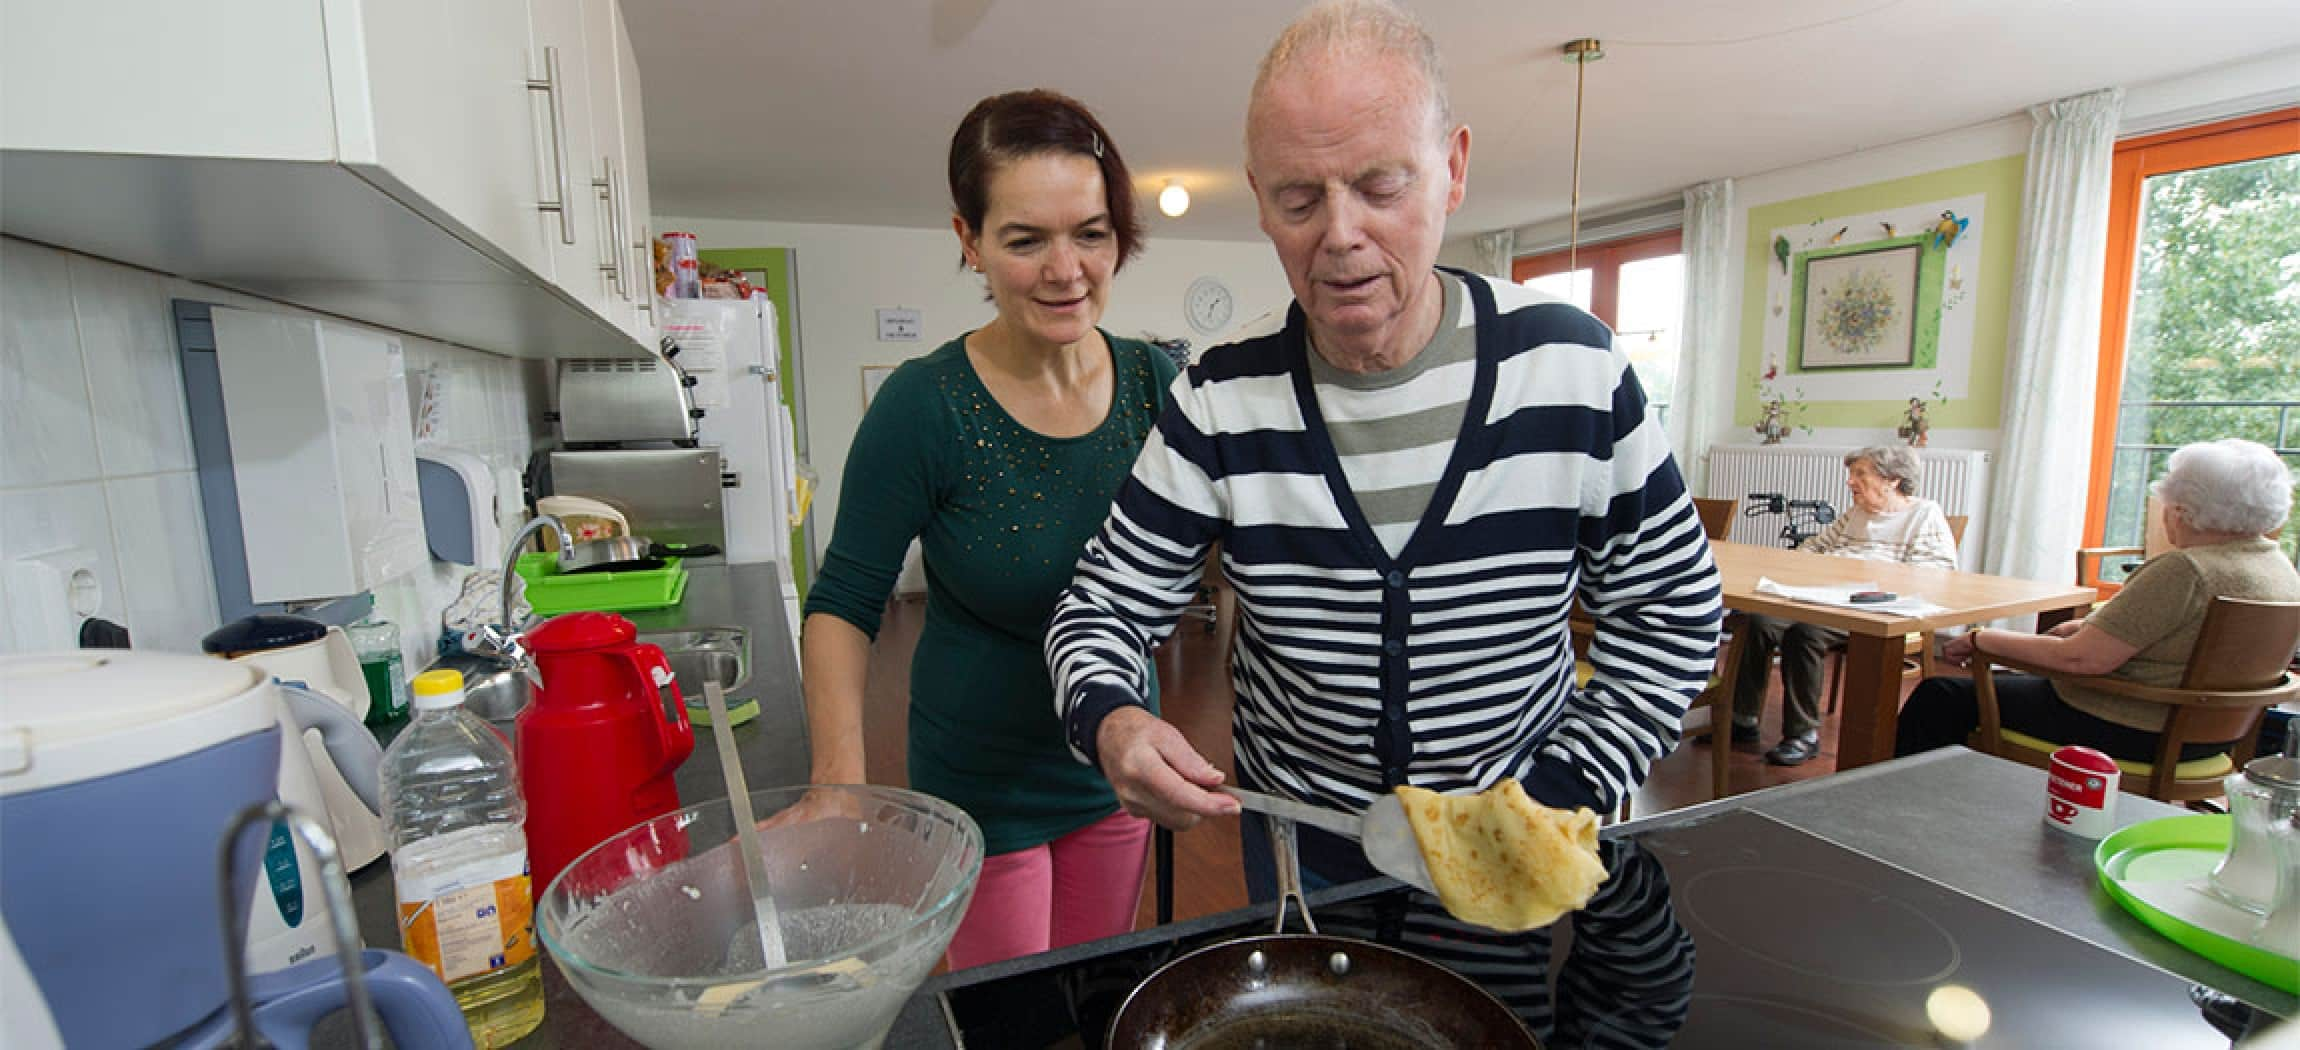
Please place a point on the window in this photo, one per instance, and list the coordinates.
(1636, 286)
(2200, 316)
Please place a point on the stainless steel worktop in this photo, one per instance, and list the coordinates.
(773, 748)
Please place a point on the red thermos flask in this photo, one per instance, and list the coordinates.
(597, 747)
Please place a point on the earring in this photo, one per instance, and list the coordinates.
(976, 267)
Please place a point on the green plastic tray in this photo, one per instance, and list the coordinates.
(2177, 848)
(552, 594)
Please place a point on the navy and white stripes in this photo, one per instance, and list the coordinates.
(1448, 666)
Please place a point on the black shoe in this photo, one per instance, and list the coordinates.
(1794, 751)
(1744, 734)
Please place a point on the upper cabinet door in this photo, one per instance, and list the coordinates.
(641, 203)
(246, 79)
(622, 160)
(580, 235)
(433, 96)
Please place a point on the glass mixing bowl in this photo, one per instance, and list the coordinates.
(655, 927)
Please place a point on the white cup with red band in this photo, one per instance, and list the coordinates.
(2080, 792)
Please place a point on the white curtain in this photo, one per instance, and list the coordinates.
(2052, 352)
(1498, 249)
(1704, 376)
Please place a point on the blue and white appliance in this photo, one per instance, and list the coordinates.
(119, 775)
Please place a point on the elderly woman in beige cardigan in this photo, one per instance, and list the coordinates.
(1888, 522)
(2221, 499)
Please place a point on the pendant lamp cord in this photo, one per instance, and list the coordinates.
(1573, 232)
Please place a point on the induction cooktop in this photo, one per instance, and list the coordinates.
(1735, 931)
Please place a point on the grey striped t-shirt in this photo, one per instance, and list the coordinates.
(1394, 430)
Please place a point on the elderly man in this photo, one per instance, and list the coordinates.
(1411, 479)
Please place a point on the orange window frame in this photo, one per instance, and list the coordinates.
(2228, 142)
(1604, 263)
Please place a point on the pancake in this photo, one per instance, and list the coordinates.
(1502, 860)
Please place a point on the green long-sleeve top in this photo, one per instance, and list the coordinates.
(1001, 513)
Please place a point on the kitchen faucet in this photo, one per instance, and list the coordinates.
(505, 641)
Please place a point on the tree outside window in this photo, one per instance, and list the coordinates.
(2201, 333)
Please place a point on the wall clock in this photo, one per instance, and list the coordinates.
(1208, 304)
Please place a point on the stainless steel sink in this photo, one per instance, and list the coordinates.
(704, 654)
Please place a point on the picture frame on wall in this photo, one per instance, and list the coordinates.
(1865, 306)
(872, 377)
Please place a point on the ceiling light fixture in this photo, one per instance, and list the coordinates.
(1581, 53)
(1174, 200)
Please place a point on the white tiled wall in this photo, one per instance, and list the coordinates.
(96, 451)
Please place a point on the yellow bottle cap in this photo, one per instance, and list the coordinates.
(438, 683)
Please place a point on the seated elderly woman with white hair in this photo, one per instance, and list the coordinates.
(1888, 522)
(2221, 499)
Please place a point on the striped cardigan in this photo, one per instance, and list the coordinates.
(1450, 666)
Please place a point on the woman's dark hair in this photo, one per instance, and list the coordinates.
(1005, 128)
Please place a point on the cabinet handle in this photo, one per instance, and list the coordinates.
(610, 229)
(619, 209)
(549, 86)
(646, 264)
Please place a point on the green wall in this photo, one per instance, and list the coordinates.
(1982, 406)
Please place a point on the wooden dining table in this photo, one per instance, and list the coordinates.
(1877, 640)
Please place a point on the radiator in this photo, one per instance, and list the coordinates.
(1955, 478)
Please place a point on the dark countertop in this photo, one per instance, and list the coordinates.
(1959, 818)
(773, 748)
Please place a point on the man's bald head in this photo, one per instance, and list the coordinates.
(1360, 30)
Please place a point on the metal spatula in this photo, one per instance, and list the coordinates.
(1382, 831)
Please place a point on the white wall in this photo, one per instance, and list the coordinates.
(846, 273)
(96, 448)
(2259, 84)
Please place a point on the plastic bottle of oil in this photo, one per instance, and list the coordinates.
(459, 861)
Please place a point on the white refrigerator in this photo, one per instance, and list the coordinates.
(729, 347)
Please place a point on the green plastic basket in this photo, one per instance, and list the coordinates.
(552, 594)
(2188, 847)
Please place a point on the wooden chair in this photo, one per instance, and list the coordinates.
(1711, 714)
(2236, 672)
(2092, 562)
(1716, 515)
(1917, 654)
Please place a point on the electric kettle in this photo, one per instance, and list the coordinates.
(119, 775)
(306, 652)
(597, 747)
(288, 920)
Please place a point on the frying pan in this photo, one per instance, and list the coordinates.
(628, 554)
(1291, 989)
(610, 554)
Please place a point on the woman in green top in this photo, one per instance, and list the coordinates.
(1000, 452)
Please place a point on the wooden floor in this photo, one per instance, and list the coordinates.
(1194, 682)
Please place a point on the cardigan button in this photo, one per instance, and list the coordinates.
(1393, 647)
(1395, 578)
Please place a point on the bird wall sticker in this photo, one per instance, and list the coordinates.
(1839, 235)
(1890, 230)
(1951, 227)
(1781, 251)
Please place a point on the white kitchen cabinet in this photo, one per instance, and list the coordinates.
(385, 160)
(621, 161)
(443, 110)
(640, 203)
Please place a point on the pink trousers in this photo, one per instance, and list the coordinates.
(1080, 887)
